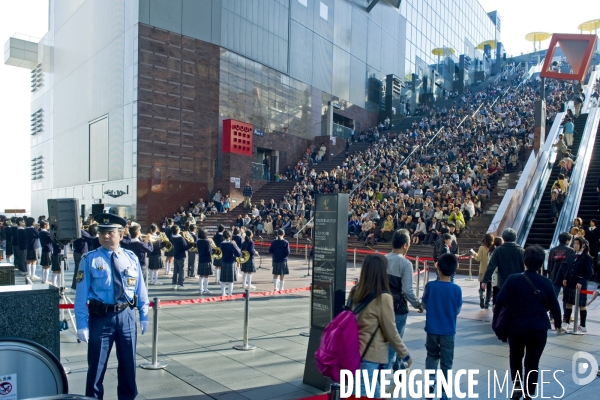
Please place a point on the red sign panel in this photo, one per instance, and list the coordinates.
(578, 51)
(237, 137)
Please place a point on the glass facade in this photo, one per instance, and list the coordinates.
(264, 97)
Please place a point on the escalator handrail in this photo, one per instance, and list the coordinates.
(587, 104)
(570, 207)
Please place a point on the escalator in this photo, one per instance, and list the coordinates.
(588, 207)
(542, 228)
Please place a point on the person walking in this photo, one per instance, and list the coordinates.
(528, 296)
(556, 257)
(110, 279)
(400, 272)
(442, 299)
(376, 326)
(507, 258)
(578, 270)
(247, 192)
(482, 256)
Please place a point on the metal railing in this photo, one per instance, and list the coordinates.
(341, 131)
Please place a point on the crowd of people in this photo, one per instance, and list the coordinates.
(416, 179)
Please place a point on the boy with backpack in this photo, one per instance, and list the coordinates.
(443, 300)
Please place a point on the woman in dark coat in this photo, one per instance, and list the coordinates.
(248, 267)
(205, 252)
(528, 321)
(593, 236)
(578, 270)
(230, 252)
(280, 249)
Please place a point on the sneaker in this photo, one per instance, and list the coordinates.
(174, 287)
(565, 327)
(252, 287)
(582, 329)
(244, 286)
(180, 287)
(151, 283)
(157, 283)
(35, 278)
(206, 292)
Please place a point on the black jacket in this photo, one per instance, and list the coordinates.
(556, 257)
(508, 258)
(527, 312)
(578, 270)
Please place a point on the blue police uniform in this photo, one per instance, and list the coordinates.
(109, 319)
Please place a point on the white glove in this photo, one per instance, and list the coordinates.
(144, 326)
(83, 334)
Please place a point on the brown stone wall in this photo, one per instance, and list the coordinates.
(178, 106)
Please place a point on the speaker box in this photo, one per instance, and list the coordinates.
(63, 217)
(97, 209)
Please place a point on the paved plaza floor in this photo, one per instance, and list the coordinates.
(197, 343)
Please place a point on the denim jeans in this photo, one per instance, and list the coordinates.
(395, 362)
(440, 350)
(370, 367)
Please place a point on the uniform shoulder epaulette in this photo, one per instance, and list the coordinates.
(88, 253)
(128, 252)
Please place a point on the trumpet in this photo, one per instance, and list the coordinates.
(190, 239)
(244, 258)
(168, 245)
(217, 253)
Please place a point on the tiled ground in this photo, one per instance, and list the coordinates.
(197, 342)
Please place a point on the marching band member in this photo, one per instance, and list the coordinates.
(31, 237)
(230, 252)
(56, 261)
(169, 254)
(204, 260)
(237, 238)
(217, 239)
(46, 244)
(191, 261)
(14, 232)
(180, 246)
(248, 267)
(155, 261)
(280, 248)
(8, 240)
(140, 248)
(22, 246)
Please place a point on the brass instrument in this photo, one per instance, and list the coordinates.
(244, 258)
(168, 245)
(217, 253)
(190, 239)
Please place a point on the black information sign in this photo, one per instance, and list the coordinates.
(330, 238)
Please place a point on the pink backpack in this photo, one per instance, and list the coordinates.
(340, 348)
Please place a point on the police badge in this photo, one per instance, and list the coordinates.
(79, 276)
(131, 282)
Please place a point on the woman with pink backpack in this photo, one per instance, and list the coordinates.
(376, 321)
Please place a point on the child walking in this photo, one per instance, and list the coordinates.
(442, 299)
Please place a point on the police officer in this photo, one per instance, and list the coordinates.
(111, 279)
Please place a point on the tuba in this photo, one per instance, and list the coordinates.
(217, 253)
(244, 258)
(168, 245)
(190, 239)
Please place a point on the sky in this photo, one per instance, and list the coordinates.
(30, 17)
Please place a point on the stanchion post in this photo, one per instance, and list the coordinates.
(296, 244)
(470, 278)
(307, 333)
(575, 330)
(425, 274)
(306, 253)
(354, 268)
(155, 364)
(334, 393)
(246, 346)
(418, 281)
